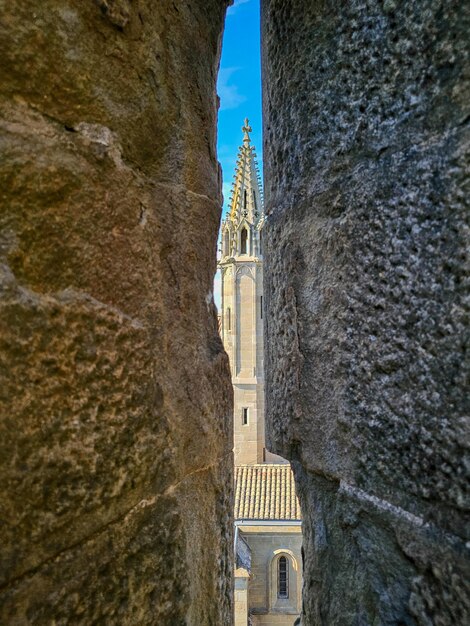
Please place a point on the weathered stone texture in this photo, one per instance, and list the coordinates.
(115, 429)
(366, 153)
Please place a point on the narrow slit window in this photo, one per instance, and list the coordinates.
(260, 242)
(282, 578)
(244, 416)
(261, 307)
(229, 319)
(244, 202)
(243, 240)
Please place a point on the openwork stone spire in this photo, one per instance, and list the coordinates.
(246, 201)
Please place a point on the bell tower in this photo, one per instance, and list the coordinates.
(241, 268)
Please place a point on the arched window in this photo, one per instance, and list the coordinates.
(229, 319)
(243, 240)
(227, 244)
(282, 578)
(284, 585)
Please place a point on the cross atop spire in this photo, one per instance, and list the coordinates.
(246, 128)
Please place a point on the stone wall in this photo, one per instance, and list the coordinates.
(115, 429)
(266, 543)
(365, 122)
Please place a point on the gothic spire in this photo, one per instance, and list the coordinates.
(246, 200)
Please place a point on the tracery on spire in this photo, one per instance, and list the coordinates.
(246, 202)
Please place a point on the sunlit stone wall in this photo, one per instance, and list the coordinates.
(115, 397)
(365, 129)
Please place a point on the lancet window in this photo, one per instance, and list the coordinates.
(243, 241)
(282, 578)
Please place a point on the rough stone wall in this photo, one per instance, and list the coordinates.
(366, 153)
(115, 429)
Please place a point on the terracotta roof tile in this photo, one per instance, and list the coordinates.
(265, 491)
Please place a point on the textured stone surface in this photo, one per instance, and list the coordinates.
(366, 154)
(115, 398)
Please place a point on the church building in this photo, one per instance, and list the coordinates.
(268, 535)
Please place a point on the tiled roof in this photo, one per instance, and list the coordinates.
(265, 492)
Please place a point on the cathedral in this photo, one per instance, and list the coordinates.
(268, 535)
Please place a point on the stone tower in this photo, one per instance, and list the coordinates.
(242, 304)
(267, 515)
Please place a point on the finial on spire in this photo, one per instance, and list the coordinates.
(246, 128)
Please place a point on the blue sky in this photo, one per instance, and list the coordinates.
(239, 89)
(239, 85)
